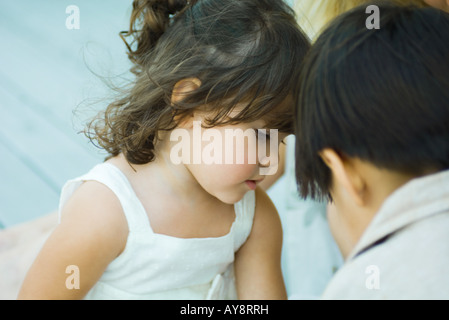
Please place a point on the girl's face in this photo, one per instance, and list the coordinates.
(227, 161)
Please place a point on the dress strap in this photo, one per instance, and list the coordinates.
(244, 210)
(116, 181)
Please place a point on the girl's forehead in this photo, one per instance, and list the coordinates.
(269, 108)
(265, 111)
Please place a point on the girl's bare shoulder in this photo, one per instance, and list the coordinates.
(92, 232)
(94, 207)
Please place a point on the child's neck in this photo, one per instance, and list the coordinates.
(170, 180)
(180, 180)
(381, 184)
(174, 201)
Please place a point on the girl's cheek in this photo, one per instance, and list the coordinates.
(243, 172)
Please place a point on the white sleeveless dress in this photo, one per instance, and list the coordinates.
(157, 266)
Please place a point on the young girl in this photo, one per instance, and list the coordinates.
(139, 226)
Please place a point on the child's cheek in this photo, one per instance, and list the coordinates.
(239, 173)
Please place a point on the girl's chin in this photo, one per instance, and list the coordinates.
(232, 198)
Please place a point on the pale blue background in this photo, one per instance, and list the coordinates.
(46, 73)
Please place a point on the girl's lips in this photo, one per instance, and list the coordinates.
(252, 184)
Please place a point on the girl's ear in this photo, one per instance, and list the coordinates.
(346, 174)
(183, 88)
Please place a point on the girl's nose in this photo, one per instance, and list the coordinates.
(264, 162)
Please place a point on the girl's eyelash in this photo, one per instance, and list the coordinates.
(259, 131)
(267, 136)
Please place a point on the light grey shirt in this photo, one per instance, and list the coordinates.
(404, 252)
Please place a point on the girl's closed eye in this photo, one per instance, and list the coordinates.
(266, 134)
(263, 133)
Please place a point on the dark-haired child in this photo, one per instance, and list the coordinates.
(372, 135)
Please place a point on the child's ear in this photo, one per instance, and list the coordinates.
(346, 174)
(180, 91)
(183, 88)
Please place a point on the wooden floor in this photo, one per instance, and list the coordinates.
(47, 72)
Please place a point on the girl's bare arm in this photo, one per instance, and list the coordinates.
(258, 262)
(92, 232)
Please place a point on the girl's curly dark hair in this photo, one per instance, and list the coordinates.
(242, 51)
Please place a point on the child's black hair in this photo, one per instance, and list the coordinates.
(381, 96)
